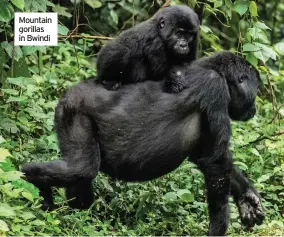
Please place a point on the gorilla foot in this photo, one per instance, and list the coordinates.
(250, 209)
(79, 204)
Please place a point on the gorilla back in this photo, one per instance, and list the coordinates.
(139, 139)
(139, 133)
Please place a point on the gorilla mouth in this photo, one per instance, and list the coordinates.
(247, 116)
(181, 51)
(243, 115)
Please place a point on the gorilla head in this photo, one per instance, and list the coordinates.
(178, 27)
(243, 83)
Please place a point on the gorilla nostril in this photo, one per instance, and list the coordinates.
(183, 45)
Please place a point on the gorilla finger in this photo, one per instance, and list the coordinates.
(259, 220)
(247, 221)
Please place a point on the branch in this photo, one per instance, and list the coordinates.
(167, 3)
(85, 37)
(276, 134)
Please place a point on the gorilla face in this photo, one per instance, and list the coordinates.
(178, 27)
(183, 39)
(243, 89)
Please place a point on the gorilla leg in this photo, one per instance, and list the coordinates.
(247, 199)
(80, 195)
(217, 179)
(80, 164)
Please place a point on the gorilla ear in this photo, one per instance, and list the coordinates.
(162, 23)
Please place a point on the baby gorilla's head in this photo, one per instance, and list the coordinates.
(178, 27)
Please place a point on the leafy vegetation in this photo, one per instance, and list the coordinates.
(33, 78)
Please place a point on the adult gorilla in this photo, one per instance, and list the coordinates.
(139, 133)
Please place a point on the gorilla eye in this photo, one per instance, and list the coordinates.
(241, 79)
(180, 32)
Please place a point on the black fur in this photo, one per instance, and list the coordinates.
(149, 49)
(139, 133)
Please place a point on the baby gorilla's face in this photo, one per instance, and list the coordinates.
(183, 39)
(178, 28)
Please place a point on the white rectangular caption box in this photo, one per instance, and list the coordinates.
(35, 29)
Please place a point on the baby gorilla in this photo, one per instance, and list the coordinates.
(150, 49)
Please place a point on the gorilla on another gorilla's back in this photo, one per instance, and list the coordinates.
(140, 133)
(150, 49)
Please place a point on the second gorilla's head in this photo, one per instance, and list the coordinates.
(178, 26)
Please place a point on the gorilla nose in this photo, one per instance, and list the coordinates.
(183, 45)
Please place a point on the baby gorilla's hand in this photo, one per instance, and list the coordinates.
(112, 85)
(175, 81)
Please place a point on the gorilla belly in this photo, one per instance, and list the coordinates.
(149, 151)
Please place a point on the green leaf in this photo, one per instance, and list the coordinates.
(21, 81)
(255, 152)
(28, 50)
(37, 222)
(16, 99)
(19, 3)
(94, 3)
(21, 68)
(107, 185)
(241, 6)
(114, 16)
(6, 11)
(37, 5)
(27, 215)
(170, 196)
(28, 196)
(250, 47)
(206, 29)
(263, 178)
(228, 3)
(12, 175)
(9, 49)
(62, 30)
(3, 226)
(279, 48)
(258, 34)
(2, 140)
(9, 125)
(3, 154)
(10, 91)
(243, 165)
(185, 195)
(252, 59)
(253, 8)
(62, 11)
(218, 3)
(268, 52)
(6, 210)
(262, 26)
